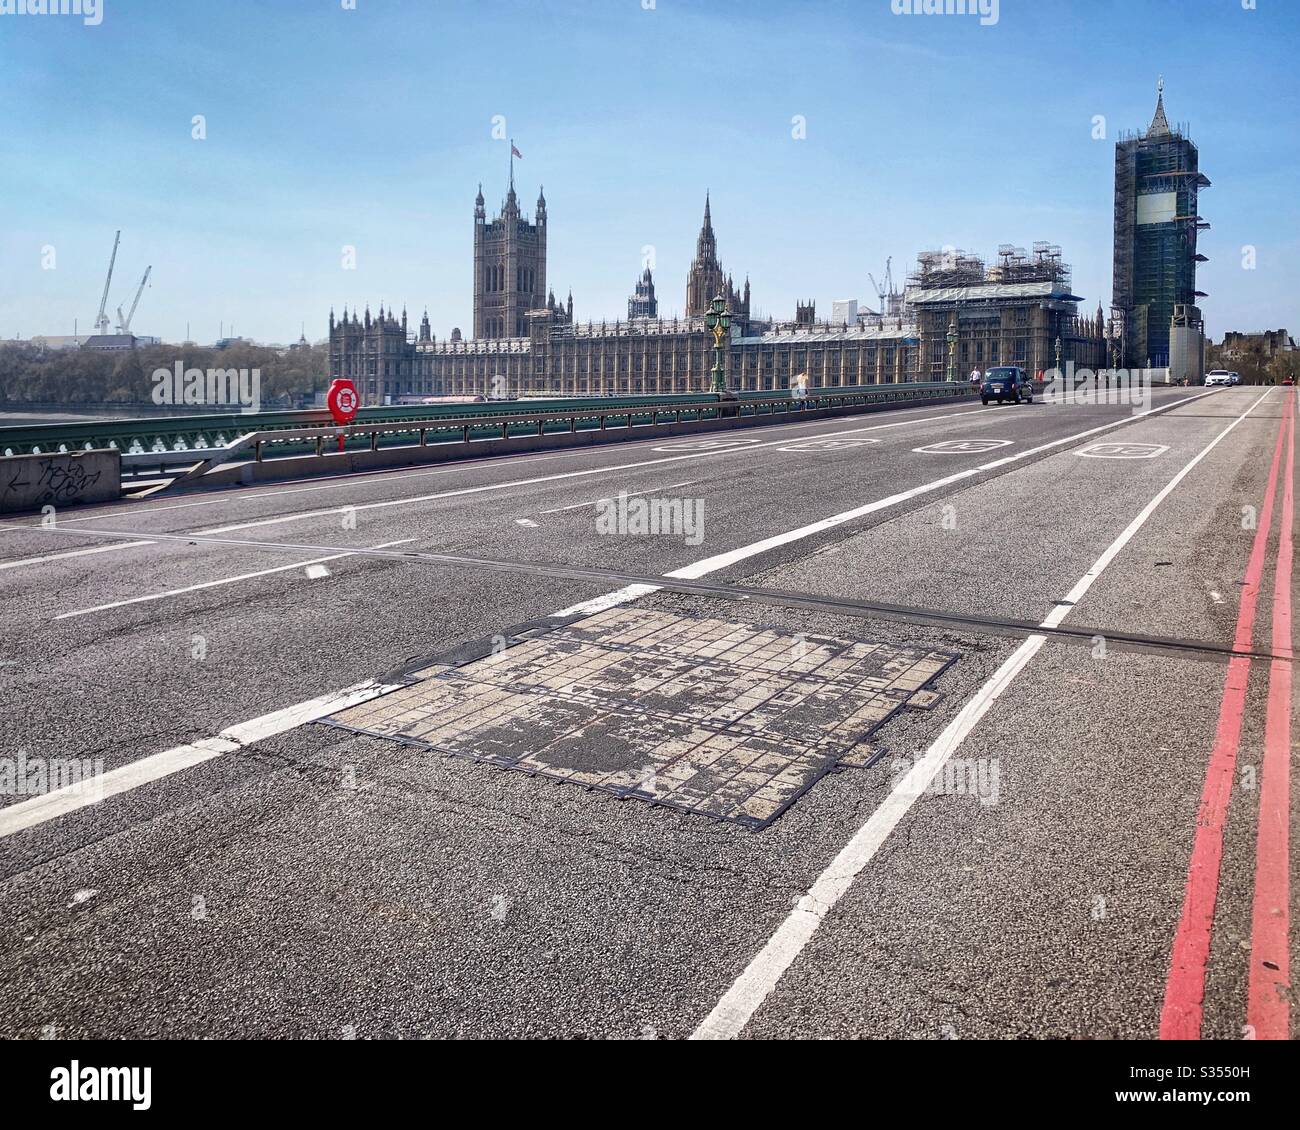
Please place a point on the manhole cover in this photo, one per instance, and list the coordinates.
(708, 716)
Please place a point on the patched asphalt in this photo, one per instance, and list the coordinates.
(320, 883)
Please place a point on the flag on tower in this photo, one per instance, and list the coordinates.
(515, 152)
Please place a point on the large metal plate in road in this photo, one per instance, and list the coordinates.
(713, 717)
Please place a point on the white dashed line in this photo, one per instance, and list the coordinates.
(313, 564)
(730, 1015)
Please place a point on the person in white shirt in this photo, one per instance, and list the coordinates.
(976, 377)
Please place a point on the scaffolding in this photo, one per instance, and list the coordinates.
(1157, 182)
(952, 268)
(947, 268)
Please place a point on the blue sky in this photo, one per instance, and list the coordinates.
(372, 128)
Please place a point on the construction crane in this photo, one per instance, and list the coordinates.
(124, 324)
(888, 289)
(101, 323)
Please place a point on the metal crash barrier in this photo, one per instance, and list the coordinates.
(184, 450)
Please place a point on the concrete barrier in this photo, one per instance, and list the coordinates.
(29, 482)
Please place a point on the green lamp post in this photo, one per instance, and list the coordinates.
(718, 320)
(952, 349)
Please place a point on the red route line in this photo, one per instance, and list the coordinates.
(1267, 1009)
(1180, 1018)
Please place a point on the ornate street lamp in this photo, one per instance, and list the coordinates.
(1058, 353)
(718, 320)
(952, 349)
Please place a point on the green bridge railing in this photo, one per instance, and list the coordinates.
(183, 435)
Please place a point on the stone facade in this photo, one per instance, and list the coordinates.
(1010, 314)
(706, 280)
(509, 267)
(643, 303)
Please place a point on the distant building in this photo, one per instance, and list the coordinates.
(1157, 182)
(1269, 343)
(643, 303)
(509, 266)
(1009, 314)
(56, 341)
(845, 311)
(1012, 313)
(110, 343)
(706, 281)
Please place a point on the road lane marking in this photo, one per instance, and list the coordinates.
(962, 446)
(482, 488)
(309, 565)
(59, 802)
(1123, 451)
(361, 478)
(733, 1011)
(1268, 994)
(399, 474)
(612, 498)
(828, 444)
(46, 558)
(722, 560)
(381, 476)
(1182, 1012)
(38, 810)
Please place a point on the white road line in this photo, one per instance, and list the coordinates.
(222, 581)
(45, 559)
(354, 478)
(611, 498)
(337, 482)
(731, 557)
(755, 984)
(59, 802)
(741, 449)
(38, 810)
(462, 491)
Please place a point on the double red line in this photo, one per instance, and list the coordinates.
(1268, 1012)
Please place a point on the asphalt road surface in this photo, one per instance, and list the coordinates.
(1083, 834)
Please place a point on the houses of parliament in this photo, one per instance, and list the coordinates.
(526, 342)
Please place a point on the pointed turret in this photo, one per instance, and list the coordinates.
(706, 244)
(1159, 124)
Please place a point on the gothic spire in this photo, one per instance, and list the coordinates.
(706, 247)
(1159, 124)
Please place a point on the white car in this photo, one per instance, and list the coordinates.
(1218, 377)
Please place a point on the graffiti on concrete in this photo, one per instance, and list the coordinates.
(61, 480)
